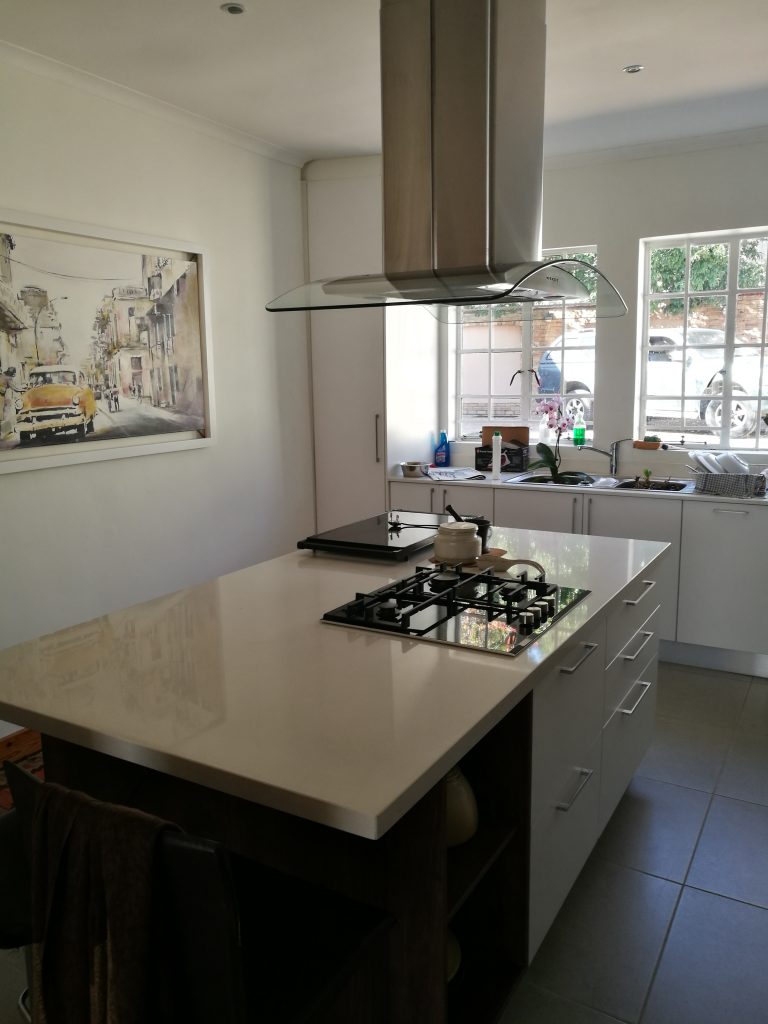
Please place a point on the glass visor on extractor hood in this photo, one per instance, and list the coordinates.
(545, 283)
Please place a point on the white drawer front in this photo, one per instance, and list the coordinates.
(626, 618)
(626, 667)
(626, 738)
(567, 716)
(561, 841)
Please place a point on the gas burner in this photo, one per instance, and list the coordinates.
(444, 579)
(462, 607)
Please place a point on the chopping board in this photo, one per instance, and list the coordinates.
(492, 559)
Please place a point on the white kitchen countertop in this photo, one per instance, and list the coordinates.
(236, 683)
(508, 481)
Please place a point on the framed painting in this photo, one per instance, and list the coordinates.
(104, 344)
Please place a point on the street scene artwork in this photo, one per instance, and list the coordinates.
(99, 342)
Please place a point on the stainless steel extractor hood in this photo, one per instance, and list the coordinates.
(462, 85)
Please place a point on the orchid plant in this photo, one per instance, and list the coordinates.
(551, 408)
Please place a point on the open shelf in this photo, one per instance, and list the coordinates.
(468, 863)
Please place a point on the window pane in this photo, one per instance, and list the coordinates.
(474, 413)
(664, 372)
(667, 270)
(507, 334)
(750, 307)
(746, 372)
(707, 312)
(504, 365)
(752, 258)
(505, 409)
(475, 335)
(709, 267)
(665, 313)
(474, 374)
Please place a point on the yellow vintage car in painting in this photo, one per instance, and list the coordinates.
(56, 401)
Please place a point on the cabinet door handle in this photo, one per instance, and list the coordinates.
(590, 649)
(573, 515)
(633, 709)
(633, 657)
(431, 499)
(376, 419)
(445, 497)
(586, 774)
(649, 585)
(731, 511)
(589, 516)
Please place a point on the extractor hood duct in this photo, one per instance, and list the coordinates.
(462, 85)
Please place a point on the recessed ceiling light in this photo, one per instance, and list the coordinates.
(233, 8)
(632, 69)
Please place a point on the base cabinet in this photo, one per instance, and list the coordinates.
(533, 510)
(724, 557)
(418, 497)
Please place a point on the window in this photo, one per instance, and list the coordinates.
(509, 354)
(704, 366)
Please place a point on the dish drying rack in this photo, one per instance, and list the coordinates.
(730, 485)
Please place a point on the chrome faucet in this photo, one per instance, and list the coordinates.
(613, 454)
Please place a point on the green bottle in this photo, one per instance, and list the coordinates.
(579, 429)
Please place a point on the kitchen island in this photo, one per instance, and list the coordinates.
(232, 709)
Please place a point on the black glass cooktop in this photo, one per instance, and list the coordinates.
(392, 535)
(462, 607)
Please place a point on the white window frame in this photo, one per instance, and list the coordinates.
(528, 389)
(730, 292)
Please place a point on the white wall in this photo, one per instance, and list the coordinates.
(78, 541)
(613, 199)
(614, 202)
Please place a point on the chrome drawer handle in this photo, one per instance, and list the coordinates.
(632, 657)
(633, 709)
(590, 649)
(649, 585)
(731, 511)
(586, 774)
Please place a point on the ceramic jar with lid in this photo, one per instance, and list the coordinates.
(461, 816)
(457, 542)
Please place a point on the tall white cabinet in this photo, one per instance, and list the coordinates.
(344, 238)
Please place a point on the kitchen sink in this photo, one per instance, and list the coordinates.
(574, 480)
(608, 482)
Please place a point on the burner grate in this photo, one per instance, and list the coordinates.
(462, 607)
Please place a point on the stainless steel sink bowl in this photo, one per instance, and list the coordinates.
(656, 485)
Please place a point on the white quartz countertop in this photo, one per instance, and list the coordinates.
(238, 685)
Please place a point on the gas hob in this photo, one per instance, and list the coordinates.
(462, 607)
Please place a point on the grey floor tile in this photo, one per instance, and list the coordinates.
(713, 968)
(754, 714)
(533, 1005)
(745, 772)
(655, 828)
(700, 695)
(603, 947)
(686, 753)
(731, 856)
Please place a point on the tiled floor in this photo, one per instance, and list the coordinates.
(668, 921)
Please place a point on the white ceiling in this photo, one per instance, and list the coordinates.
(303, 75)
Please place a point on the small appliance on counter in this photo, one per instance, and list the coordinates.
(393, 536)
